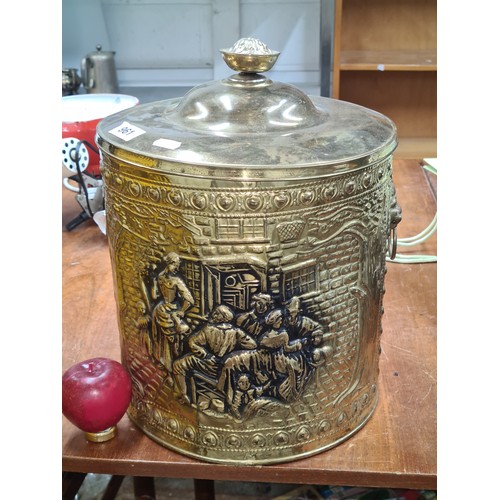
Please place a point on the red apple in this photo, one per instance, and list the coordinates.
(95, 396)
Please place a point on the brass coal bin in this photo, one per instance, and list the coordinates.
(248, 227)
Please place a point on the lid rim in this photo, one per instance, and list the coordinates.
(348, 133)
(355, 162)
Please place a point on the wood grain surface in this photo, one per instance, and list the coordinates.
(396, 448)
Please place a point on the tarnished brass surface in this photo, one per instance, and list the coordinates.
(249, 295)
(103, 436)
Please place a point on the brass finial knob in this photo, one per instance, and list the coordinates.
(249, 55)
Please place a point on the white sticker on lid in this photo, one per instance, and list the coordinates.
(126, 131)
(167, 143)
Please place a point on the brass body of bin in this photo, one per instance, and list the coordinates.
(248, 227)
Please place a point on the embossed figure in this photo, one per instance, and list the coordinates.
(248, 399)
(287, 362)
(256, 361)
(252, 321)
(208, 346)
(310, 331)
(243, 394)
(169, 327)
(270, 363)
(299, 326)
(143, 327)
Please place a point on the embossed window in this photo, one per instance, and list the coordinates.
(253, 228)
(228, 229)
(231, 229)
(192, 276)
(300, 280)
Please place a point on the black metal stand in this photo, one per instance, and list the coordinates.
(77, 220)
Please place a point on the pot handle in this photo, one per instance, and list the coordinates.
(393, 243)
(395, 219)
(87, 74)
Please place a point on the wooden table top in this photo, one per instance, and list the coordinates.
(396, 448)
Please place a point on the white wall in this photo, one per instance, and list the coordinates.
(164, 47)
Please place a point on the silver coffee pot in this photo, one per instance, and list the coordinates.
(98, 72)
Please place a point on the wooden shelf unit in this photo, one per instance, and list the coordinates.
(385, 59)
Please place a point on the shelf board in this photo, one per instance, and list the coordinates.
(416, 148)
(388, 60)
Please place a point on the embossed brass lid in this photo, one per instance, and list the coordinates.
(249, 121)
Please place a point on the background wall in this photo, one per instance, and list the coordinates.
(165, 47)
